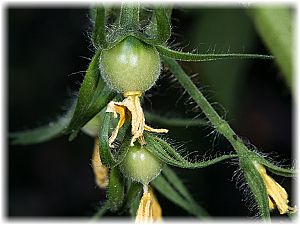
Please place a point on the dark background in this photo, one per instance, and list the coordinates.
(46, 47)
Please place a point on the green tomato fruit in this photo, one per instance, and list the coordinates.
(140, 165)
(131, 65)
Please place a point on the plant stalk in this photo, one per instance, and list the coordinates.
(217, 122)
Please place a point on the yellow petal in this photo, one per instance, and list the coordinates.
(116, 107)
(271, 204)
(144, 212)
(133, 105)
(148, 128)
(149, 209)
(277, 194)
(156, 209)
(100, 171)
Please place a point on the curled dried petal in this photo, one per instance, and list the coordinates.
(149, 210)
(132, 104)
(100, 171)
(277, 195)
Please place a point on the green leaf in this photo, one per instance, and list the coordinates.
(98, 36)
(167, 154)
(185, 56)
(133, 195)
(171, 121)
(285, 172)
(252, 176)
(106, 156)
(94, 95)
(92, 128)
(134, 206)
(115, 189)
(275, 25)
(257, 186)
(278, 170)
(167, 190)
(44, 133)
(176, 182)
(129, 16)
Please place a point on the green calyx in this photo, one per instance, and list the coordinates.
(131, 65)
(140, 165)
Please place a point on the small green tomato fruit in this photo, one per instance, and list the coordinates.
(140, 165)
(131, 65)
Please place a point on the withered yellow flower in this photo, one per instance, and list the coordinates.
(149, 210)
(156, 209)
(276, 194)
(132, 107)
(100, 171)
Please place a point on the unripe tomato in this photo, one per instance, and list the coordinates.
(140, 165)
(131, 65)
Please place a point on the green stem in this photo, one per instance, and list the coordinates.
(98, 36)
(129, 16)
(251, 174)
(218, 123)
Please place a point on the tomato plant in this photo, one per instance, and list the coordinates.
(132, 160)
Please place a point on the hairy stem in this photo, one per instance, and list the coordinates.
(218, 123)
(252, 176)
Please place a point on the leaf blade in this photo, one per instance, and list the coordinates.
(43, 133)
(116, 189)
(93, 96)
(166, 153)
(179, 186)
(278, 170)
(164, 188)
(104, 151)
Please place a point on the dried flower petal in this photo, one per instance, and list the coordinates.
(277, 194)
(149, 210)
(100, 171)
(156, 209)
(121, 110)
(144, 213)
(133, 105)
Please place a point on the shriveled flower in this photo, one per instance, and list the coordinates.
(100, 171)
(278, 198)
(149, 210)
(132, 107)
(156, 209)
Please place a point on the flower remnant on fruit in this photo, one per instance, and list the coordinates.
(131, 67)
(278, 198)
(100, 171)
(149, 210)
(132, 107)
